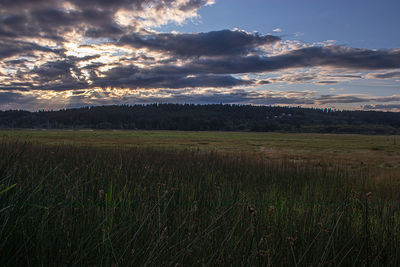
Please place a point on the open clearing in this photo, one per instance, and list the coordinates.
(371, 150)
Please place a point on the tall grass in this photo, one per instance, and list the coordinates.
(70, 206)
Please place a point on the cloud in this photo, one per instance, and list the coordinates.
(210, 71)
(347, 98)
(386, 75)
(293, 78)
(7, 97)
(55, 19)
(316, 76)
(334, 56)
(51, 71)
(215, 43)
(327, 82)
(207, 96)
(383, 107)
(347, 76)
(140, 79)
(76, 98)
(16, 100)
(70, 48)
(9, 48)
(329, 99)
(263, 82)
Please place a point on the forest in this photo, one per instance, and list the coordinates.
(212, 117)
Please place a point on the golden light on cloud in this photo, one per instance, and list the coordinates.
(103, 51)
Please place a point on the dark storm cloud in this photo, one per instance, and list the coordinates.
(309, 57)
(113, 5)
(124, 78)
(215, 43)
(86, 58)
(334, 56)
(13, 97)
(50, 19)
(9, 48)
(59, 87)
(209, 72)
(21, 86)
(56, 76)
(207, 81)
(110, 30)
(54, 70)
(343, 57)
(16, 62)
(18, 4)
(219, 70)
(53, 22)
(6, 97)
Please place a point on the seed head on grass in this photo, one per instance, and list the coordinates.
(252, 210)
(322, 228)
(271, 209)
(292, 240)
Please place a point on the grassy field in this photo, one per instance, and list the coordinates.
(382, 151)
(118, 198)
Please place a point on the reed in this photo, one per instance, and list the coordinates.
(73, 206)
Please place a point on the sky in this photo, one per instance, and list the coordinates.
(314, 53)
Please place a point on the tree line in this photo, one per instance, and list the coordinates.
(212, 117)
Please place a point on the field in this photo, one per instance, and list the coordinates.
(160, 198)
(381, 151)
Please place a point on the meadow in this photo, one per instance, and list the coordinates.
(351, 149)
(160, 198)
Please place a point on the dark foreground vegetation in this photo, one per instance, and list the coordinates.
(208, 118)
(76, 206)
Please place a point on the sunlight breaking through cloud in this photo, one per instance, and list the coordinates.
(61, 48)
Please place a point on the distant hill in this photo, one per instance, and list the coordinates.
(207, 118)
